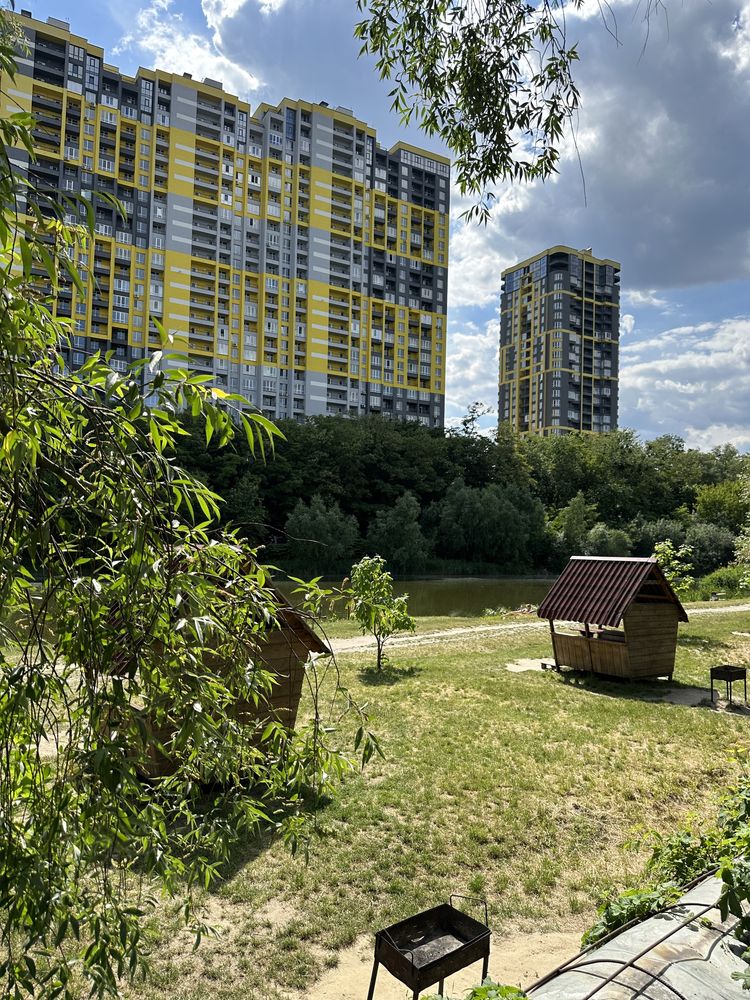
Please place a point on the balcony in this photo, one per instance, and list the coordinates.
(50, 66)
(203, 183)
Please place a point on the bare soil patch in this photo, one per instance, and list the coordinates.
(518, 959)
(276, 913)
(521, 666)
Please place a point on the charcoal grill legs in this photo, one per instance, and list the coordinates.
(373, 977)
(415, 996)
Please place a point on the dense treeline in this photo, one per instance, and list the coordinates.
(459, 501)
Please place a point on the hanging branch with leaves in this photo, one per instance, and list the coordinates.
(131, 628)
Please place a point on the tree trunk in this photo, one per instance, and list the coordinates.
(380, 653)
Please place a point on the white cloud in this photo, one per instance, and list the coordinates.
(596, 9)
(718, 434)
(676, 337)
(270, 6)
(697, 385)
(479, 254)
(627, 324)
(737, 49)
(160, 33)
(665, 191)
(475, 268)
(472, 366)
(640, 297)
(216, 11)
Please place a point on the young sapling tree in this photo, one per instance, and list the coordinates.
(374, 605)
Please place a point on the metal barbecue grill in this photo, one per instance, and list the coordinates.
(426, 948)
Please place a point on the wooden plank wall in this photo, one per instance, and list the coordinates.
(284, 655)
(651, 629)
(602, 656)
(571, 651)
(610, 657)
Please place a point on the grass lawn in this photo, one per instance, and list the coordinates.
(524, 787)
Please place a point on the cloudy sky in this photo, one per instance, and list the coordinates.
(664, 144)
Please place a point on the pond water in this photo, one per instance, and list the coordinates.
(467, 596)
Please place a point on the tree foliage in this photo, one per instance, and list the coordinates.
(492, 79)
(648, 490)
(604, 541)
(724, 504)
(489, 524)
(710, 546)
(676, 565)
(396, 532)
(130, 625)
(743, 540)
(321, 534)
(245, 509)
(573, 525)
(645, 534)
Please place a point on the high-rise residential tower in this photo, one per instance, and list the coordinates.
(559, 342)
(290, 256)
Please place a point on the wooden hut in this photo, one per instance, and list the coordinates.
(282, 651)
(629, 615)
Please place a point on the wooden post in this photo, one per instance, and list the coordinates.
(588, 646)
(552, 635)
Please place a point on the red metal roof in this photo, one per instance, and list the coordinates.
(599, 589)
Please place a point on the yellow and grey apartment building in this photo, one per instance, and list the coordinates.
(290, 256)
(559, 343)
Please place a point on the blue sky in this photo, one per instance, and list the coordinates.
(664, 143)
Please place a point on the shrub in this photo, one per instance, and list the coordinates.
(492, 991)
(728, 580)
(712, 546)
(632, 904)
(604, 541)
(645, 534)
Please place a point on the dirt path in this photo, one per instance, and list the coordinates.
(360, 643)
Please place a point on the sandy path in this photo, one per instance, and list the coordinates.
(359, 643)
(517, 960)
(362, 642)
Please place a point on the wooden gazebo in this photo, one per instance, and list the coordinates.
(629, 615)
